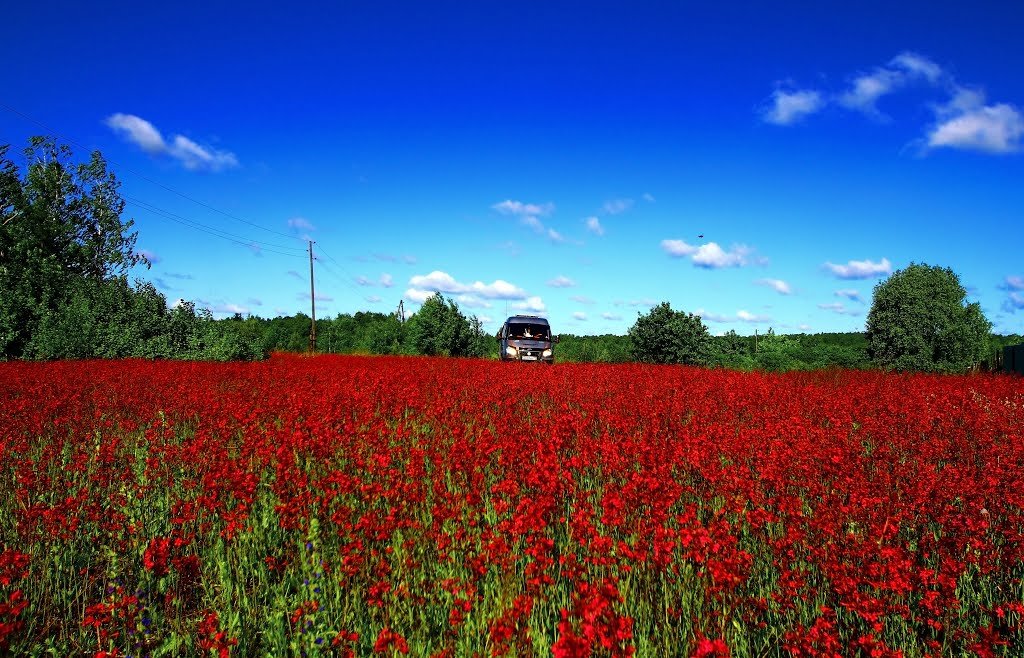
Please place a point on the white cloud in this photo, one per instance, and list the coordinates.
(579, 315)
(611, 316)
(510, 207)
(594, 226)
(804, 327)
(472, 295)
(851, 294)
(191, 155)
(967, 123)
(740, 316)
(746, 316)
(301, 224)
(195, 157)
(918, 66)
(386, 281)
(531, 304)
(555, 236)
(711, 255)
(905, 68)
(561, 281)
(868, 88)
(840, 308)
(617, 206)
(789, 107)
(860, 269)
(678, 248)
(778, 285)
(581, 299)
(373, 299)
(138, 130)
(534, 223)
(649, 198)
(363, 281)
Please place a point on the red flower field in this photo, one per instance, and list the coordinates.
(437, 507)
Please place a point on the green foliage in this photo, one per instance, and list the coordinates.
(667, 336)
(60, 226)
(440, 328)
(593, 349)
(919, 321)
(64, 257)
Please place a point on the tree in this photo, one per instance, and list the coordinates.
(667, 336)
(919, 321)
(440, 328)
(60, 224)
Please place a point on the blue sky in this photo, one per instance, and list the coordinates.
(762, 166)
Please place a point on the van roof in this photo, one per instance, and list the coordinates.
(527, 318)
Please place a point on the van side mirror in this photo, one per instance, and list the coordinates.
(554, 339)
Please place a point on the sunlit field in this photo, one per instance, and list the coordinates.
(443, 507)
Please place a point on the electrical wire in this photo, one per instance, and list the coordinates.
(174, 218)
(205, 227)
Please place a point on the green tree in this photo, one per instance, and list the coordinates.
(440, 328)
(919, 321)
(667, 336)
(60, 224)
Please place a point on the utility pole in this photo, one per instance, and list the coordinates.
(312, 301)
(755, 341)
(401, 311)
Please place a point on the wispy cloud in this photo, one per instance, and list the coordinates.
(252, 301)
(966, 122)
(320, 297)
(561, 281)
(188, 153)
(579, 315)
(789, 107)
(1013, 283)
(851, 294)
(1014, 302)
(611, 316)
(175, 275)
(648, 197)
(301, 224)
(711, 255)
(906, 68)
(740, 316)
(295, 275)
(582, 299)
(840, 308)
(385, 280)
(778, 285)
(150, 255)
(373, 299)
(860, 269)
(594, 226)
(617, 206)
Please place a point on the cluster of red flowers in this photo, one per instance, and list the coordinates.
(455, 507)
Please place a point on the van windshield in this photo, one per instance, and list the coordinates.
(526, 330)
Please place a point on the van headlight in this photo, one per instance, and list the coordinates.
(547, 353)
(511, 351)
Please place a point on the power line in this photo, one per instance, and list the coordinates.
(174, 218)
(204, 227)
(141, 175)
